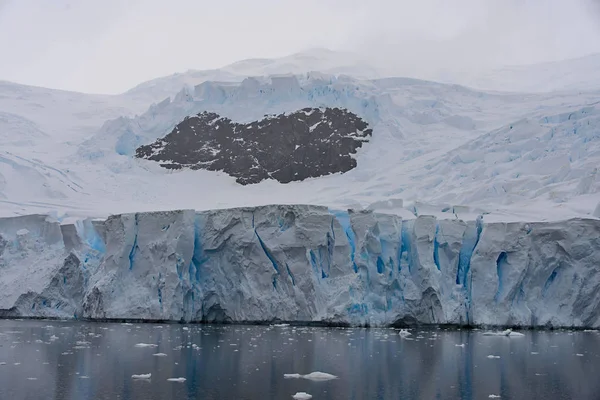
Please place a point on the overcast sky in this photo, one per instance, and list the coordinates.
(108, 46)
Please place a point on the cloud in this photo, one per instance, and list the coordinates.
(112, 45)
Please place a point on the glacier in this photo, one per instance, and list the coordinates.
(304, 264)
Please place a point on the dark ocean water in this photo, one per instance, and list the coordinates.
(67, 360)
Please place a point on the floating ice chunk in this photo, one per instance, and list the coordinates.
(53, 338)
(32, 379)
(39, 341)
(141, 376)
(508, 332)
(292, 376)
(84, 377)
(492, 356)
(534, 352)
(302, 396)
(494, 396)
(159, 355)
(17, 364)
(82, 343)
(280, 325)
(2, 363)
(176, 379)
(319, 376)
(404, 333)
(460, 345)
(579, 355)
(146, 345)
(185, 328)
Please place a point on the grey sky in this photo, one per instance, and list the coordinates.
(111, 45)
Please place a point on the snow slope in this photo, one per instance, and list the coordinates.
(443, 149)
(580, 74)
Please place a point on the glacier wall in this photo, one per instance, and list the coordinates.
(302, 263)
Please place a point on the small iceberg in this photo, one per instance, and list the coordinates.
(404, 333)
(146, 345)
(319, 376)
(492, 356)
(302, 396)
(281, 325)
(313, 376)
(460, 345)
(494, 396)
(141, 376)
(159, 355)
(507, 332)
(176, 380)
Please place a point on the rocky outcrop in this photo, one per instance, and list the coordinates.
(308, 143)
(304, 264)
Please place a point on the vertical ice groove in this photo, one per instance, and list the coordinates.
(134, 247)
(265, 249)
(501, 263)
(343, 217)
(436, 247)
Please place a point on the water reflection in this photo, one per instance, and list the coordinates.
(96, 361)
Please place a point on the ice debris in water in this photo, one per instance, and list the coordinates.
(176, 379)
(404, 333)
(313, 376)
(494, 396)
(508, 332)
(159, 355)
(460, 345)
(146, 345)
(302, 396)
(281, 325)
(492, 356)
(141, 376)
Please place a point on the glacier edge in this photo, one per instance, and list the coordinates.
(302, 263)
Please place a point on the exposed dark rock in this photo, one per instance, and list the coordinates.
(308, 143)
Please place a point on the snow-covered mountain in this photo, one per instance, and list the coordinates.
(435, 146)
(433, 173)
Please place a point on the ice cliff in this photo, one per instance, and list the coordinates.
(302, 263)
